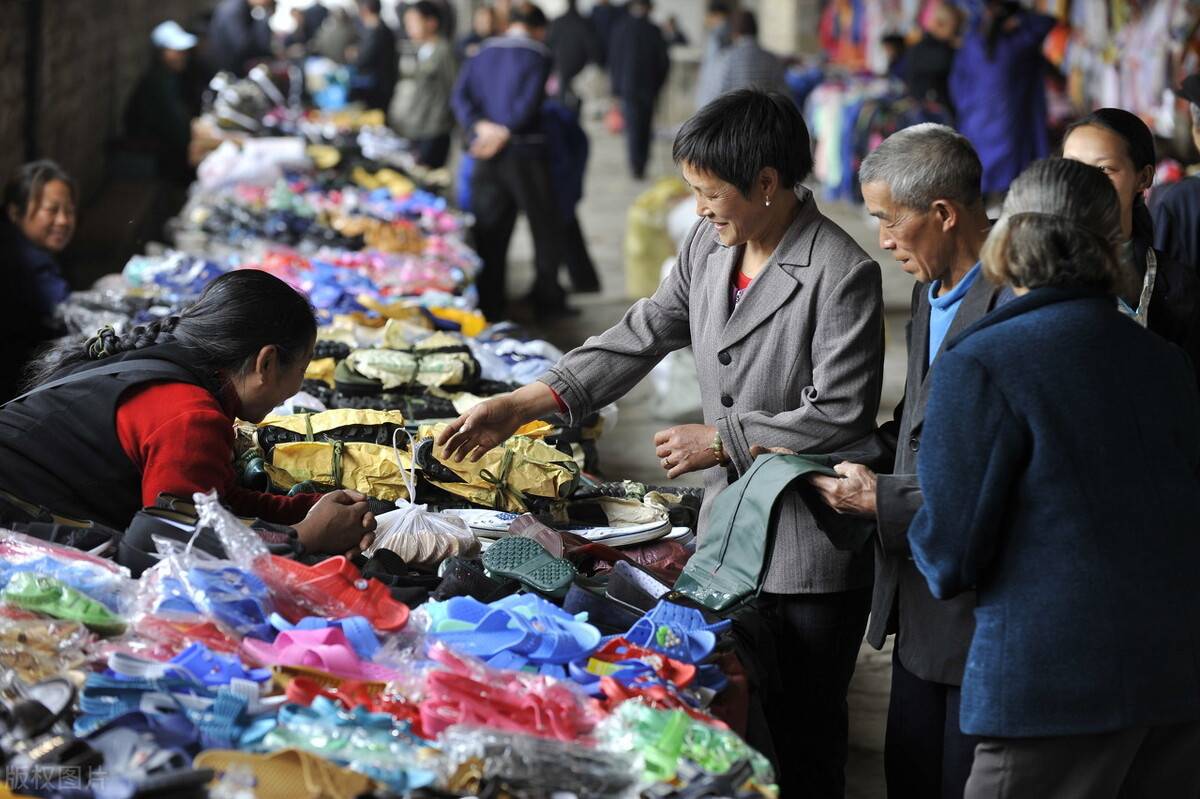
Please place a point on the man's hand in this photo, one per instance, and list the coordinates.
(339, 524)
(489, 139)
(852, 493)
(686, 448)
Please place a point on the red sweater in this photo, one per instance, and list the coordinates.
(181, 439)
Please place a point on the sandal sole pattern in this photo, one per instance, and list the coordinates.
(528, 562)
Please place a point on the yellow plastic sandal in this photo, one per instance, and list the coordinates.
(288, 774)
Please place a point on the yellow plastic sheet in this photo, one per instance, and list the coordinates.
(325, 421)
(369, 468)
(321, 369)
(503, 478)
(471, 322)
(647, 243)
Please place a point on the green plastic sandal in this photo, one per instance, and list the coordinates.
(528, 562)
(55, 598)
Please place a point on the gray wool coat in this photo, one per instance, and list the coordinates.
(797, 364)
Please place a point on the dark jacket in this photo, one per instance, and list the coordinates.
(637, 60)
(236, 37)
(567, 150)
(1175, 303)
(932, 635)
(33, 287)
(80, 469)
(158, 118)
(1176, 212)
(574, 43)
(506, 84)
(927, 66)
(377, 67)
(605, 20)
(1073, 438)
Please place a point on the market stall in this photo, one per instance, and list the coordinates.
(511, 630)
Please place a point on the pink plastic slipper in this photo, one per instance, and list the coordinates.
(326, 650)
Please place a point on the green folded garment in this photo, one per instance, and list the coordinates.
(731, 555)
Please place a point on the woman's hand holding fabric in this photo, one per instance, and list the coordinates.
(686, 448)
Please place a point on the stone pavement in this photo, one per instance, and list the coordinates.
(627, 451)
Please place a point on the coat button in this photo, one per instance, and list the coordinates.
(914, 444)
(725, 358)
(727, 401)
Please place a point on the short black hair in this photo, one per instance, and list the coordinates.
(718, 7)
(741, 133)
(744, 23)
(374, 6)
(26, 184)
(427, 10)
(529, 15)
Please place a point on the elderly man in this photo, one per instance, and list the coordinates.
(923, 185)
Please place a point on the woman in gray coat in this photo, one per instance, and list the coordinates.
(784, 313)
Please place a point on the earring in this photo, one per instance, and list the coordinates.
(768, 202)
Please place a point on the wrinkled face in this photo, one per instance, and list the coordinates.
(916, 239)
(736, 218)
(1101, 148)
(49, 221)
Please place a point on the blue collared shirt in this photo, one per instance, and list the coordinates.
(943, 309)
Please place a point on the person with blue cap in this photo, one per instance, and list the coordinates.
(158, 118)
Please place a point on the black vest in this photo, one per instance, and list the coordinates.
(59, 446)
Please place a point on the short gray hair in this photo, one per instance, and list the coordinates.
(1061, 226)
(924, 163)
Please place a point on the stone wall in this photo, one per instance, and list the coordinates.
(12, 85)
(91, 53)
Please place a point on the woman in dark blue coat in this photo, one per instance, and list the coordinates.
(1061, 471)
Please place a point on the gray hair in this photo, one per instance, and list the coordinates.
(924, 163)
(1195, 109)
(1061, 226)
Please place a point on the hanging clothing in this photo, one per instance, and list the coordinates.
(1001, 99)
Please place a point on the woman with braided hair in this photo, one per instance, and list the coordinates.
(111, 422)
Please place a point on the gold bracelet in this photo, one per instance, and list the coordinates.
(718, 449)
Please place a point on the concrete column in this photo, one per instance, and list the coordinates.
(789, 27)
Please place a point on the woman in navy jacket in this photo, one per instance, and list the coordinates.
(1061, 471)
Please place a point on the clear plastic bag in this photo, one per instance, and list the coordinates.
(101, 580)
(188, 584)
(242, 545)
(37, 649)
(661, 740)
(422, 538)
(536, 767)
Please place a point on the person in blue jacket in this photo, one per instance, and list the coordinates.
(997, 88)
(497, 101)
(1060, 467)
